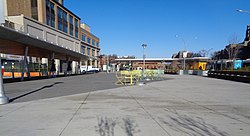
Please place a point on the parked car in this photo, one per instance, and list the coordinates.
(89, 69)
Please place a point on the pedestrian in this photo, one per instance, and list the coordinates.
(52, 68)
(69, 68)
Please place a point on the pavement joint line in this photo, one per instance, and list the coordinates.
(21, 107)
(147, 112)
(210, 109)
(83, 102)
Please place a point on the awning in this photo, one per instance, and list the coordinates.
(14, 42)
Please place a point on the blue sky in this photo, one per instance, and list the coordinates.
(124, 25)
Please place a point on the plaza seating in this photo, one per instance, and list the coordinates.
(126, 77)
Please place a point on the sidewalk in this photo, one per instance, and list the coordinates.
(182, 105)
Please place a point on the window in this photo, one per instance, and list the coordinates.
(76, 28)
(93, 42)
(48, 21)
(33, 3)
(84, 38)
(65, 22)
(34, 11)
(71, 19)
(76, 23)
(71, 26)
(50, 13)
(76, 34)
(97, 53)
(93, 52)
(83, 49)
(60, 18)
(88, 40)
(97, 44)
(88, 51)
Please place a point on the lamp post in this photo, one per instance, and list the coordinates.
(144, 57)
(183, 55)
(107, 63)
(3, 98)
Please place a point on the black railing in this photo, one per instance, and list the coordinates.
(241, 76)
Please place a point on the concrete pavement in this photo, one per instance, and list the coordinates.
(55, 87)
(180, 106)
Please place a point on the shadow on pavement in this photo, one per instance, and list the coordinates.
(106, 126)
(193, 126)
(31, 92)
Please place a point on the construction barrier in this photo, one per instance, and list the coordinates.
(19, 74)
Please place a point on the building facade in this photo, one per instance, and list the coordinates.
(51, 21)
(196, 63)
(90, 46)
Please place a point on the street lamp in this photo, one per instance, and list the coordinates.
(184, 53)
(243, 11)
(144, 57)
(143, 70)
(183, 40)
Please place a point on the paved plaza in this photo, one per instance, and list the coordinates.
(178, 106)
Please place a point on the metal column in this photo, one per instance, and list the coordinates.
(3, 98)
(25, 62)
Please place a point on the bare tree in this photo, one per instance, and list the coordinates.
(214, 55)
(233, 48)
(233, 39)
(203, 52)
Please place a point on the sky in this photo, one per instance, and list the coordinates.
(166, 26)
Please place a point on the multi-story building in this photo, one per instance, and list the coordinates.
(51, 21)
(49, 12)
(90, 46)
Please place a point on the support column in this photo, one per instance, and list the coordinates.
(74, 67)
(52, 68)
(57, 64)
(45, 69)
(3, 98)
(28, 68)
(79, 67)
(69, 67)
(24, 62)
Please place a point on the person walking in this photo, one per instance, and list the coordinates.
(52, 69)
